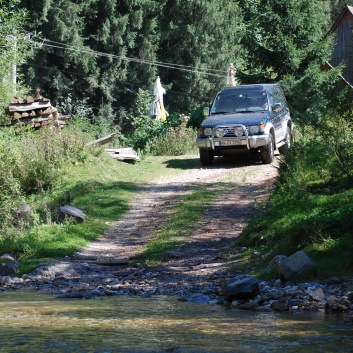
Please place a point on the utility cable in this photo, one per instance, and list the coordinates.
(192, 69)
(118, 81)
(135, 59)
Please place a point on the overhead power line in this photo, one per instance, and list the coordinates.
(126, 83)
(208, 72)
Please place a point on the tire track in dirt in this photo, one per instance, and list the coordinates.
(225, 219)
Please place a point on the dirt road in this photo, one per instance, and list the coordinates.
(199, 262)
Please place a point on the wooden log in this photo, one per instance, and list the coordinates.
(14, 100)
(46, 122)
(25, 115)
(28, 107)
(47, 111)
(125, 150)
(40, 120)
(21, 100)
(123, 154)
(102, 141)
(17, 115)
(126, 158)
(37, 97)
(29, 99)
(64, 117)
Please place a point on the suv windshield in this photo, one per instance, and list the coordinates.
(240, 102)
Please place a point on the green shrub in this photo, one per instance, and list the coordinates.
(174, 141)
(10, 187)
(33, 161)
(197, 117)
(41, 155)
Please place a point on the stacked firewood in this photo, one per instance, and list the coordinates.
(35, 111)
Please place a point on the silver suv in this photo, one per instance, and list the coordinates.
(244, 119)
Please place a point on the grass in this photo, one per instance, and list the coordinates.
(102, 188)
(311, 209)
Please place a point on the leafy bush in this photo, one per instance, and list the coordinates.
(32, 161)
(174, 141)
(41, 154)
(196, 117)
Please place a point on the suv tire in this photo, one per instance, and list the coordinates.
(268, 152)
(206, 156)
(288, 142)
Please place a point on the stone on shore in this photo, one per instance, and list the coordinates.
(242, 287)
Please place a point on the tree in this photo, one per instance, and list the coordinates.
(203, 37)
(286, 42)
(282, 36)
(88, 47)
(15, 48)
(337, 7)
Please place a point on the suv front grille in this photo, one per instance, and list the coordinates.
(231, 130)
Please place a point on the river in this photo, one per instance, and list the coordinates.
(37, 323)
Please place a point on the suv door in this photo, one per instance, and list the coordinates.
(280, 115)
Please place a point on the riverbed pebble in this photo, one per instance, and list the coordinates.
(88, 281)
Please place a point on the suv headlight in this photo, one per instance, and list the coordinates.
(238, 131)
(207, 131)
(219, 132)
(254, 129)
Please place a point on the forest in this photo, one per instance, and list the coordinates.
(98, 60)
(97, 55)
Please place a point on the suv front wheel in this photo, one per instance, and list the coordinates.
(268, 152)
(206, 156)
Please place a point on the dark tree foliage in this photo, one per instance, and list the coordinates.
(203, 36)
(283, 36)
(337, 7)
(124, 29)
(286, 42)
(267, 40)
(197, 34)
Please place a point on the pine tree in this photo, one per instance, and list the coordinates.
(89, 30)
(201, 36)
(286, 42)
(283, 36)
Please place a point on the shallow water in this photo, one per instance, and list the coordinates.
(39, 323)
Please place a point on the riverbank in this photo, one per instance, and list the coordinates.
(199, 266)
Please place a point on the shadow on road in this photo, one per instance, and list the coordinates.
(219, 162)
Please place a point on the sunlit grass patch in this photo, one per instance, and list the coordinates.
(101, 188)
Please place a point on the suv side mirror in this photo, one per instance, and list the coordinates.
(206, 111)
(277, 107)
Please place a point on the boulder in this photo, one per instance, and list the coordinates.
(70, 211)
(6, 258)
(242, 287)
(280, 305)
(297, 266)
(317, 295)
(9, 268)
(21, 215)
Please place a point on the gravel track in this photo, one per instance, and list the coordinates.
(198, 265)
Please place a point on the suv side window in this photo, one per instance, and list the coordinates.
(277, 96)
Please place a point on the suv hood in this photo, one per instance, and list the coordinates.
(246, 119)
